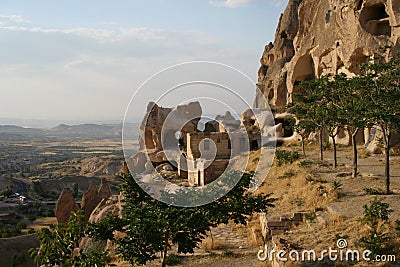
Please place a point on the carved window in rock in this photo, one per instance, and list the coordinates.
(328, 16)
(375, 20)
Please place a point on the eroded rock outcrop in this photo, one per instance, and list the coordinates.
(314, 38)
(65, 205)
(94, 196)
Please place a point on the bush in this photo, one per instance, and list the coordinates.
(286, 157)
(378, 211)
(337, 185)
(374, 191)
(304, 163)
(287, 174)
(32, 217)
(378, 241)
(173, 259)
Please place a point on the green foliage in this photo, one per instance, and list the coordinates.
(337, 185)
(287, 174)
(288, 126)
(229, 253)
(373, 191)
(304, 163)
(398, 227)
(150, 226)
(378, 241)
(376, 212)
(311, 217)
(338, 236)
(6, 193)
(326, 145)
(173, 260)
(60, 243)
(299, 201)
(75, 190)
(31, 217)
(286, 157)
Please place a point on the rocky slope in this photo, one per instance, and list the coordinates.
(314, 38)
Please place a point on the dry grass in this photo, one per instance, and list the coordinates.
(210, 244)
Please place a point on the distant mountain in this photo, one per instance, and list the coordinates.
(82, 131)
(88, 130)
(12, 129)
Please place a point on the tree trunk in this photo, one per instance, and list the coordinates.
(164, 254)
(387, 164)
(321, 152)
(303, 146)
(355, 160)
(334, 152)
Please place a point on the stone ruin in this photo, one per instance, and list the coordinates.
(271, 227)
(315, 38)
(172, 143)
(66, 203)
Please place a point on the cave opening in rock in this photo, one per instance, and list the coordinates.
(375, 20)
(288, 124)
(357, 59)
(303, 71)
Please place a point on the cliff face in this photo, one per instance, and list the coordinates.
(317, 37)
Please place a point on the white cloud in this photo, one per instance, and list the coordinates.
(7, 19)
(102, 35)
(92, 70)
(231, 3)
(241, 3)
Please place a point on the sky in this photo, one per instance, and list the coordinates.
(82, 61)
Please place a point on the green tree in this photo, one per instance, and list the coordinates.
(59, 245)
(150, 226)
(310, 107)
(383, 101)
(350, 103)
(304, 128)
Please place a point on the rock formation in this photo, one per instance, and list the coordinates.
(314, 38)
(94, 196)
(65, 205)
(111, 206)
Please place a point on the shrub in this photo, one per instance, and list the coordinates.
(173, 259)
(304, 163)
(287, 174)
(311, 217)
(337, 185)
(378, 211)
(286, 157)
(299, 201)
(31, 217)
(373, 191)
(378, 240)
